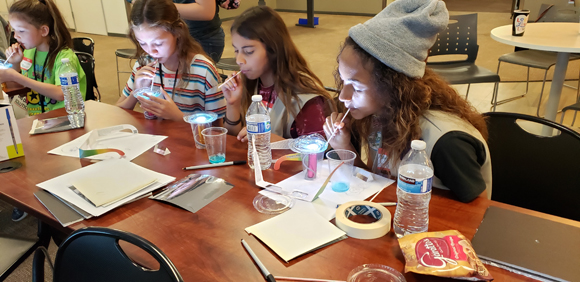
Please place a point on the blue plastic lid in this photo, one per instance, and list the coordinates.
(309, 144)
(156, 92)
(201, 117)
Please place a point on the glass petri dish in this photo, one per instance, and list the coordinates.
(156, 92)
(201, 118)
(273, 204)
(375, 273)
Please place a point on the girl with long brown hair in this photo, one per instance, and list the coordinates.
(41, 31)
(272, 66)
(394, 99)
(187, 77)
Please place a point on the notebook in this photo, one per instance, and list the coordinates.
(529, 244)
(297, 232)
(61, 211)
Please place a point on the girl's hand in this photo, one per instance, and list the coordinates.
(7, 75)
(145, 75)
(15, 54)
(163, 108)
(243, 135)
(341, 139)
(233, 90)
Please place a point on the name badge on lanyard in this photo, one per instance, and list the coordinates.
(26, 63)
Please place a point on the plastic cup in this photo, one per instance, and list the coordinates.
(215, 144)
(340, 180)
(373, 273)
(520, 21)
(155, 91)
(310, 164)
(200, 121)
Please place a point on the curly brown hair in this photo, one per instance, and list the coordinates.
(291, 71)
(404, 100)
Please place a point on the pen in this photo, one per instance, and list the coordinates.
(269, 277)
(11, 131)
(305, 279)
(214, 165)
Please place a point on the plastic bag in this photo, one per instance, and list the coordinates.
(443, 253)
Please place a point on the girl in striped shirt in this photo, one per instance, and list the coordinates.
(188, 79)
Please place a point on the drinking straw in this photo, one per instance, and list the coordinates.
(335, 130)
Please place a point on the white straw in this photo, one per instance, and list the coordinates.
(228, 80)
(153, 81)
(305, 279)
(9, 57)
(335, 130)
(377, 194)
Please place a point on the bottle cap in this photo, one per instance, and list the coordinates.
(256, 98)
(418, 145)
(64, 60)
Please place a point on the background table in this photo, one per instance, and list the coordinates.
(563, 38)
(205, 246)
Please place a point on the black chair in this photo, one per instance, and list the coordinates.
(573, 107)
(460, 38)
(227, 64)
(16, 250)
(534, 172)
(543, 60)
(94, 254)
(84, 44)
(126, 54)
(87, 62)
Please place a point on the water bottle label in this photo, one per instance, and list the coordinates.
(258, 127)
(412, 185)
(65, 82)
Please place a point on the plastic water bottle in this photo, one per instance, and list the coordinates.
(258, 127)
(413, 191)
(73, 98)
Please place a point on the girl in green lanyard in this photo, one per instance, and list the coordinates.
(42, 33)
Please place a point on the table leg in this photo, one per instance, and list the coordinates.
(309, 14)
(556, 90)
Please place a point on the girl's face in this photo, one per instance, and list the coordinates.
(251, 56)
(157, 42)
(27, 34)
(358, 93)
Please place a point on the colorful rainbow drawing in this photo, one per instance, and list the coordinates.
(88, 153)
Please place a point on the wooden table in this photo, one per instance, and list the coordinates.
(563, 38)
(205, 246)
(12, 89)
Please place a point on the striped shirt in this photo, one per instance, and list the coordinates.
(201, 92)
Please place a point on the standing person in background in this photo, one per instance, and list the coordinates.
(394, 99)
(272, 66)
(204, 23)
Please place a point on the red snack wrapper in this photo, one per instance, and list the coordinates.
(443, 253)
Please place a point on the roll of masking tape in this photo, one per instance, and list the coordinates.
(363, 230)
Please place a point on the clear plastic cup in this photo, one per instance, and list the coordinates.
(200, 121)
(155, 92)
(375, 273)
(215, 144)
(340, 180)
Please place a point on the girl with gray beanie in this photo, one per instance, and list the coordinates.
(394, 99)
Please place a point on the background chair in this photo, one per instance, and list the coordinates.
(460, 38)
(126, 54)
(94, 254)
(539, 59)
(84, 44)
(534, 172)
(87, 62)
(227, 64)
(573, 107)
(16, 250)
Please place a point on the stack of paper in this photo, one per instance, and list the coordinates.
(104, 186)
(296, 232)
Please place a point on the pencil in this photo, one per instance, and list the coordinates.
(305, 279)
(214, 165)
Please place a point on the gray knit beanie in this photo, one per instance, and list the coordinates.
(400, 35)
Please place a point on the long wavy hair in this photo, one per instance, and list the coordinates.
(291, 71)
(45, 12)
(163, 14)
(404, 100)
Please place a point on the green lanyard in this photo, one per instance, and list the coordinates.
(40, 96)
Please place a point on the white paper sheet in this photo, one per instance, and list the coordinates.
(296, 232)
(133, 144)
(60, 185)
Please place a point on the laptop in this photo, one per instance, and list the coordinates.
(529, 244)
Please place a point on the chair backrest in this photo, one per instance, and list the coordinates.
(460, 38)
(87, 62)
(94, 254)
(84, 44)
(535, 172)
